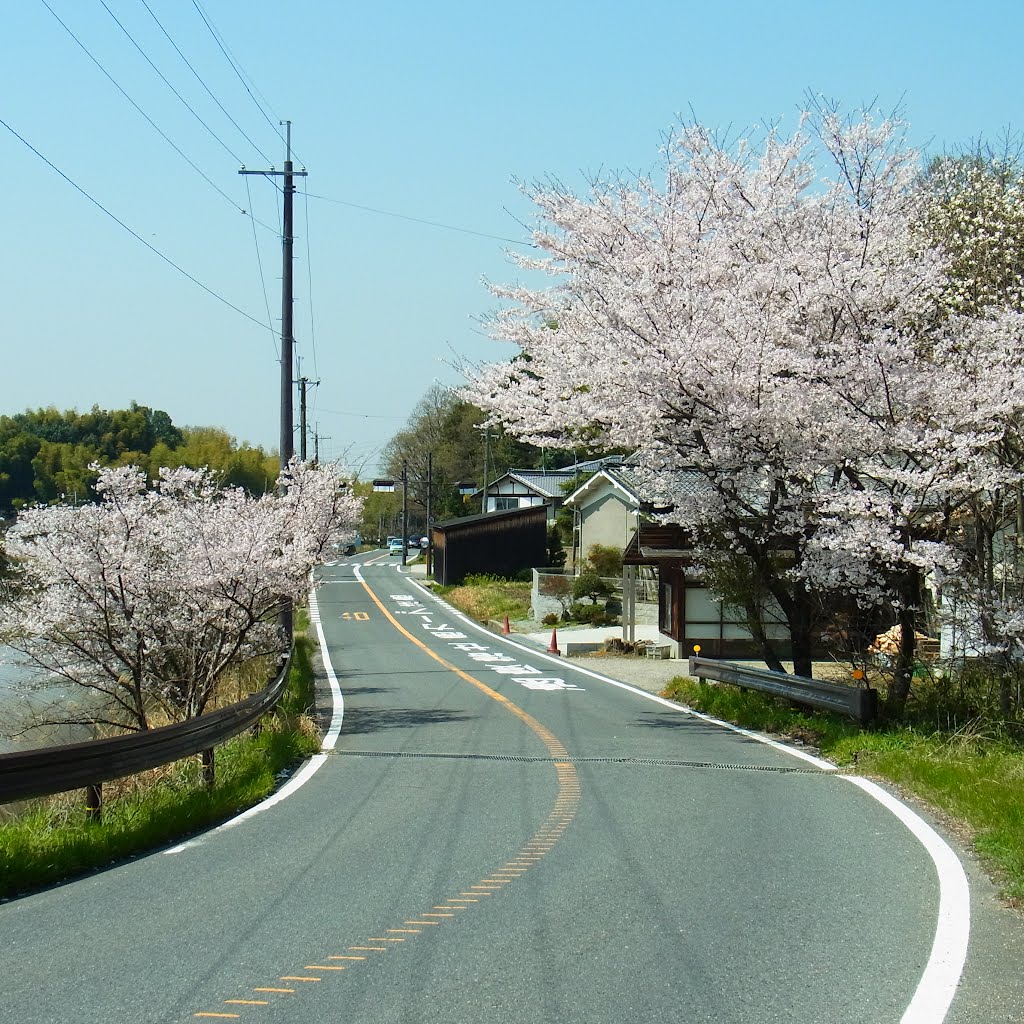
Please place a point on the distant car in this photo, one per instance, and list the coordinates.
(395, 546)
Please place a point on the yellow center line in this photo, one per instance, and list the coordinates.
(273, 990)
(216, 1015)
(409, 931)
(323, 967)
(296, 977)
(342, 957)
(373, 938)
(375, 949)
(246, 1002)
(423, 922)
(548, 738)
(436, 915)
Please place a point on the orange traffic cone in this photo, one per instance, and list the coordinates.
(506, 629)
(553, 646)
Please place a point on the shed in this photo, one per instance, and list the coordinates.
(503, 543)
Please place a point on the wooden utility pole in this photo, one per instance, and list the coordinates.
(287, 338)
(304, 383)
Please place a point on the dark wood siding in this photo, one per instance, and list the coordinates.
(502, 543)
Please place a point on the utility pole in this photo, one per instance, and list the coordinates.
(487, 452)
(303, 382)
(430, 516)
(317, 438)
(287, 338)
(405, 510)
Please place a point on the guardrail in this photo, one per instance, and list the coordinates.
(860, 703)
(32, 773)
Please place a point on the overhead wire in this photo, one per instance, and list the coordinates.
(362, 415)
(263, 280)
(199, 79)
(166, 82)
(134, 234)
(240, 72)
(170, 142)
(309, 296)
(420, 220)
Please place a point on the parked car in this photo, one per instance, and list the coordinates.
(395, 546)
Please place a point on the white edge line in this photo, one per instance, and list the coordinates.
(311, 767)
(674, 705)
(941, 977)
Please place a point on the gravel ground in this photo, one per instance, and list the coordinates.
(644, 673)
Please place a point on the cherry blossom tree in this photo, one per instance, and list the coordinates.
(147, 597)
(765, 328)
(975, 212)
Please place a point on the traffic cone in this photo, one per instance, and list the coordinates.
(506, 629)
(553, 646)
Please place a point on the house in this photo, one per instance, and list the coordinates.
(610, 509)
(525, 488)
(606, 508)
(688, 613)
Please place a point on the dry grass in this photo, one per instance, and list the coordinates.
(485, 602)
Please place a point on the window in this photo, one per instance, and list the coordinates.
(504, 502)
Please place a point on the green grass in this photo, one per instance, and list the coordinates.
(975, 779)
(487, 599)
(52, 839)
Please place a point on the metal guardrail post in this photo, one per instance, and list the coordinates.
(94, 802)
(209, 774)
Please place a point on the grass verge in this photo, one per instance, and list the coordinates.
(486, 598)
(973, 778)
(52, 840)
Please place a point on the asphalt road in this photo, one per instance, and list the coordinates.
(499, 836)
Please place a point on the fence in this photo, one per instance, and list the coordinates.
(34, 773)
(859, 703)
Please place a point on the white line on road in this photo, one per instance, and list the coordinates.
(312, 766)
(941, 978)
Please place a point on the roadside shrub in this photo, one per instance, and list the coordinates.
(605, 560)
(592, 614)
(589, 584)
(551, 619)
(556, 550)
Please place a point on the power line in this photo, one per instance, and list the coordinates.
(309, 295)
(164, 79)
(239, 71)
(263, 280)
(134, 234)
(420, 220)
(152, 123)
(202, 83)
(362, 415)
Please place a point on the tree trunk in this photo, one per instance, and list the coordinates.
(903, 670)
(755, 623)
(801, 632)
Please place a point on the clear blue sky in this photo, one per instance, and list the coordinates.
(423, 110)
